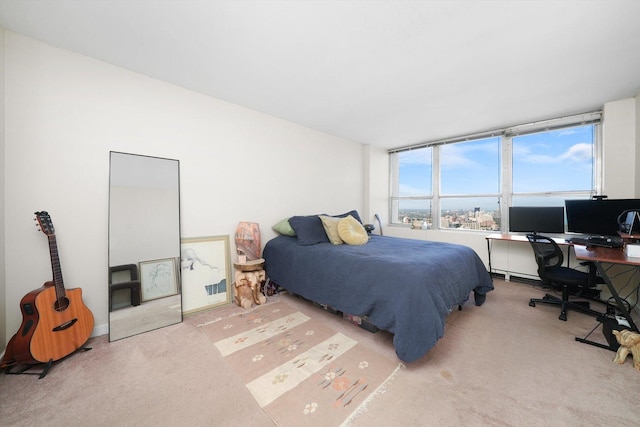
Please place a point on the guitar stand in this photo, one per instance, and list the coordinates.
(24, 369)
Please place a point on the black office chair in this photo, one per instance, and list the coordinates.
(550, 258)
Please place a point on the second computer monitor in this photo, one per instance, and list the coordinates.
(536, 219)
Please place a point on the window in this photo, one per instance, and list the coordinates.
(412, 194)
(470, 168)
(554, 161)
(470, 182)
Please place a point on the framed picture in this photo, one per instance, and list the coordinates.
(158, 278)
(206, 273)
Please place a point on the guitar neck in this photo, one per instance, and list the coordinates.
(55, 266)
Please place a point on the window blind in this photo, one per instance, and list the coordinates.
(593, 117)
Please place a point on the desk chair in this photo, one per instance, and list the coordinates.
(125, 277)
(550, 258)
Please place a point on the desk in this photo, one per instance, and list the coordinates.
(629, 237)
(521, 238)
(600, 256)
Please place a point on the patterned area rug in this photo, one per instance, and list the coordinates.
(299, 371)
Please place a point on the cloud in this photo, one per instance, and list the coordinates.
(420, 156)
(469, 156)
(577, 153)
(455, 156)
(581, 152)
(411, 191)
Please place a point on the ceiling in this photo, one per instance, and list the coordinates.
(385, 73)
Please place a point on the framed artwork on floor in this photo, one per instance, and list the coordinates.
(206, 273)
(158, 278)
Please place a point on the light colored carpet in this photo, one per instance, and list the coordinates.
(502, 364)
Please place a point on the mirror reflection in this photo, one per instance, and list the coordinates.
(144, 244)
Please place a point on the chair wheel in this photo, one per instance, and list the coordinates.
(563, 317)
(532, 304)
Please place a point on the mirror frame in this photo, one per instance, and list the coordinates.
(144, 200)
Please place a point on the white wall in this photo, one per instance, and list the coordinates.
(376, 179)
(65, 112)
(619, 138)
(3, 333)
(637, 145)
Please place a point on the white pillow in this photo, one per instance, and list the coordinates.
(352, 232)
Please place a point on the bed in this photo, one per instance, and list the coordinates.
(404, 286)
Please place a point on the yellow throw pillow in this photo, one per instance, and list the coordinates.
(330, 225)
(352, 232)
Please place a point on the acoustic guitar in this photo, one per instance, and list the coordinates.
(55, 321)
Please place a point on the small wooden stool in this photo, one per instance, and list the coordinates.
(248, 282)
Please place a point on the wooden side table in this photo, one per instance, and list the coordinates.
(249, 279)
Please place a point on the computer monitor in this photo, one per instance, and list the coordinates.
(536, 219)
(597, 217)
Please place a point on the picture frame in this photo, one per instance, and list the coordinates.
(206, 273)
(158, 278)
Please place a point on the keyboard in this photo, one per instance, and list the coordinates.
(604, 241)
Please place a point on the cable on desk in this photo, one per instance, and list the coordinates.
(612, 302)
(624, 271)
(633, 269)
(637, 296)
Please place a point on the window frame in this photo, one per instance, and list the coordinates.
(506, 195)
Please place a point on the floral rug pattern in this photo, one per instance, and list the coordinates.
(300, 371)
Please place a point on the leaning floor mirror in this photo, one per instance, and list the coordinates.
(144, 244)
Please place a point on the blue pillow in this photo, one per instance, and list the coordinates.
(309, 229)
(353, 213)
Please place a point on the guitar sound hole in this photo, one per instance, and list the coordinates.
(61, 304)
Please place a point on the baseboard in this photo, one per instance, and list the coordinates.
(518, 279)
(100, 330)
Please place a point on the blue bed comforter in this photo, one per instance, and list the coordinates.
(404, 286)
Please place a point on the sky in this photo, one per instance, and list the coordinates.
(559, 160)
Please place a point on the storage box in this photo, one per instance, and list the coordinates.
(328, 308)
(363, 322)
(632, 250)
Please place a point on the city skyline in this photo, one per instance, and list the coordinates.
(475, 219)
